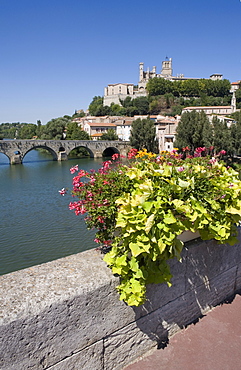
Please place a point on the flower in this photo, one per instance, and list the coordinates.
(62, 191)
(74, 169)
(115, 156)
(180, 169)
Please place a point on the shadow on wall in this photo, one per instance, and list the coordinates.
(205, 278)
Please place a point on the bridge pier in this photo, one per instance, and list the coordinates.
(62, 156)
(97, 154)
(16, 159)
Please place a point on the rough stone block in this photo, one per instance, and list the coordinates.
(206, 260)
(149, 331)
(238, 278)
(58, 309)
(90, 358)
(215, 291)
(159, 295)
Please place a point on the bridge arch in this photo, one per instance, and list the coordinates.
(4, 158)
(50, 150)
(81, 147)
(109, 151)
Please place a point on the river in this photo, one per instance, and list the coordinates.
(36, 224)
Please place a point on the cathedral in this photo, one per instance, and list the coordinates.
(115, 92)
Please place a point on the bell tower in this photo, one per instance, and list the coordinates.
(166, 68)
(141, 72)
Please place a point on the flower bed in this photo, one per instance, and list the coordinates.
(141, 207)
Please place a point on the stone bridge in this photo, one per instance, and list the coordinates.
(16, 150)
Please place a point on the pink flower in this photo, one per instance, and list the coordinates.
(74, 169)
(105, 182)
(180, 169)
(107, 242)
(132, 153)
(62, 191)
(200, 149)
(100, 219)
(222, 152)
(213, 160)
(115, 156)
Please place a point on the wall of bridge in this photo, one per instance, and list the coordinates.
(66, 314)
(16, 150)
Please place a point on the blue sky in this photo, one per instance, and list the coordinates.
(56, 55)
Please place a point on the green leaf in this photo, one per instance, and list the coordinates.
(149, 223)
(136, 249)
(162, 246)
(169, 218)
(183, 184)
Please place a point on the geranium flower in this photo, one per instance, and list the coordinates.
(74, 169)
(62, 191)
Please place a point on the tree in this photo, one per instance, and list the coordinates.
(222, 137)
(96, 107)
(27, 131)
(158, 86)
(74, 132)
(110, 135)
(39, 128)
(238, 98)
(55, 129)
(236, 133)
(194, 130)
(143, 135)
(141, 104)
(80, 113)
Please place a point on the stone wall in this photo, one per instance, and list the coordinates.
(66, 314)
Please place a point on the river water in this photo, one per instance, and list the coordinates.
(36, 225)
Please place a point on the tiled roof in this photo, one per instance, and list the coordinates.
(121, 84)
(101, 124)
(209, 107)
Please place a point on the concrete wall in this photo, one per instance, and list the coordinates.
(66, 314)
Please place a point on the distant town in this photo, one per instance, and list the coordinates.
(160, 97)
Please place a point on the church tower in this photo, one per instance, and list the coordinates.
(233, 103)
(141, 72)
(166, 68)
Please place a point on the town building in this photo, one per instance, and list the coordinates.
(223, 110)
(96, 126)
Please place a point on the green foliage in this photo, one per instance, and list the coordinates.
(194, 130)
(143, 135)
(17, 130)
(222, 137)
(236, 133)
(109, 135)
(81, 113)
(75, 133)
(27, 131)
(54, 129)
(140, 210)
(96, 107)
(191, 87)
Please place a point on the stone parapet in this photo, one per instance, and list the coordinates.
(66, 314)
